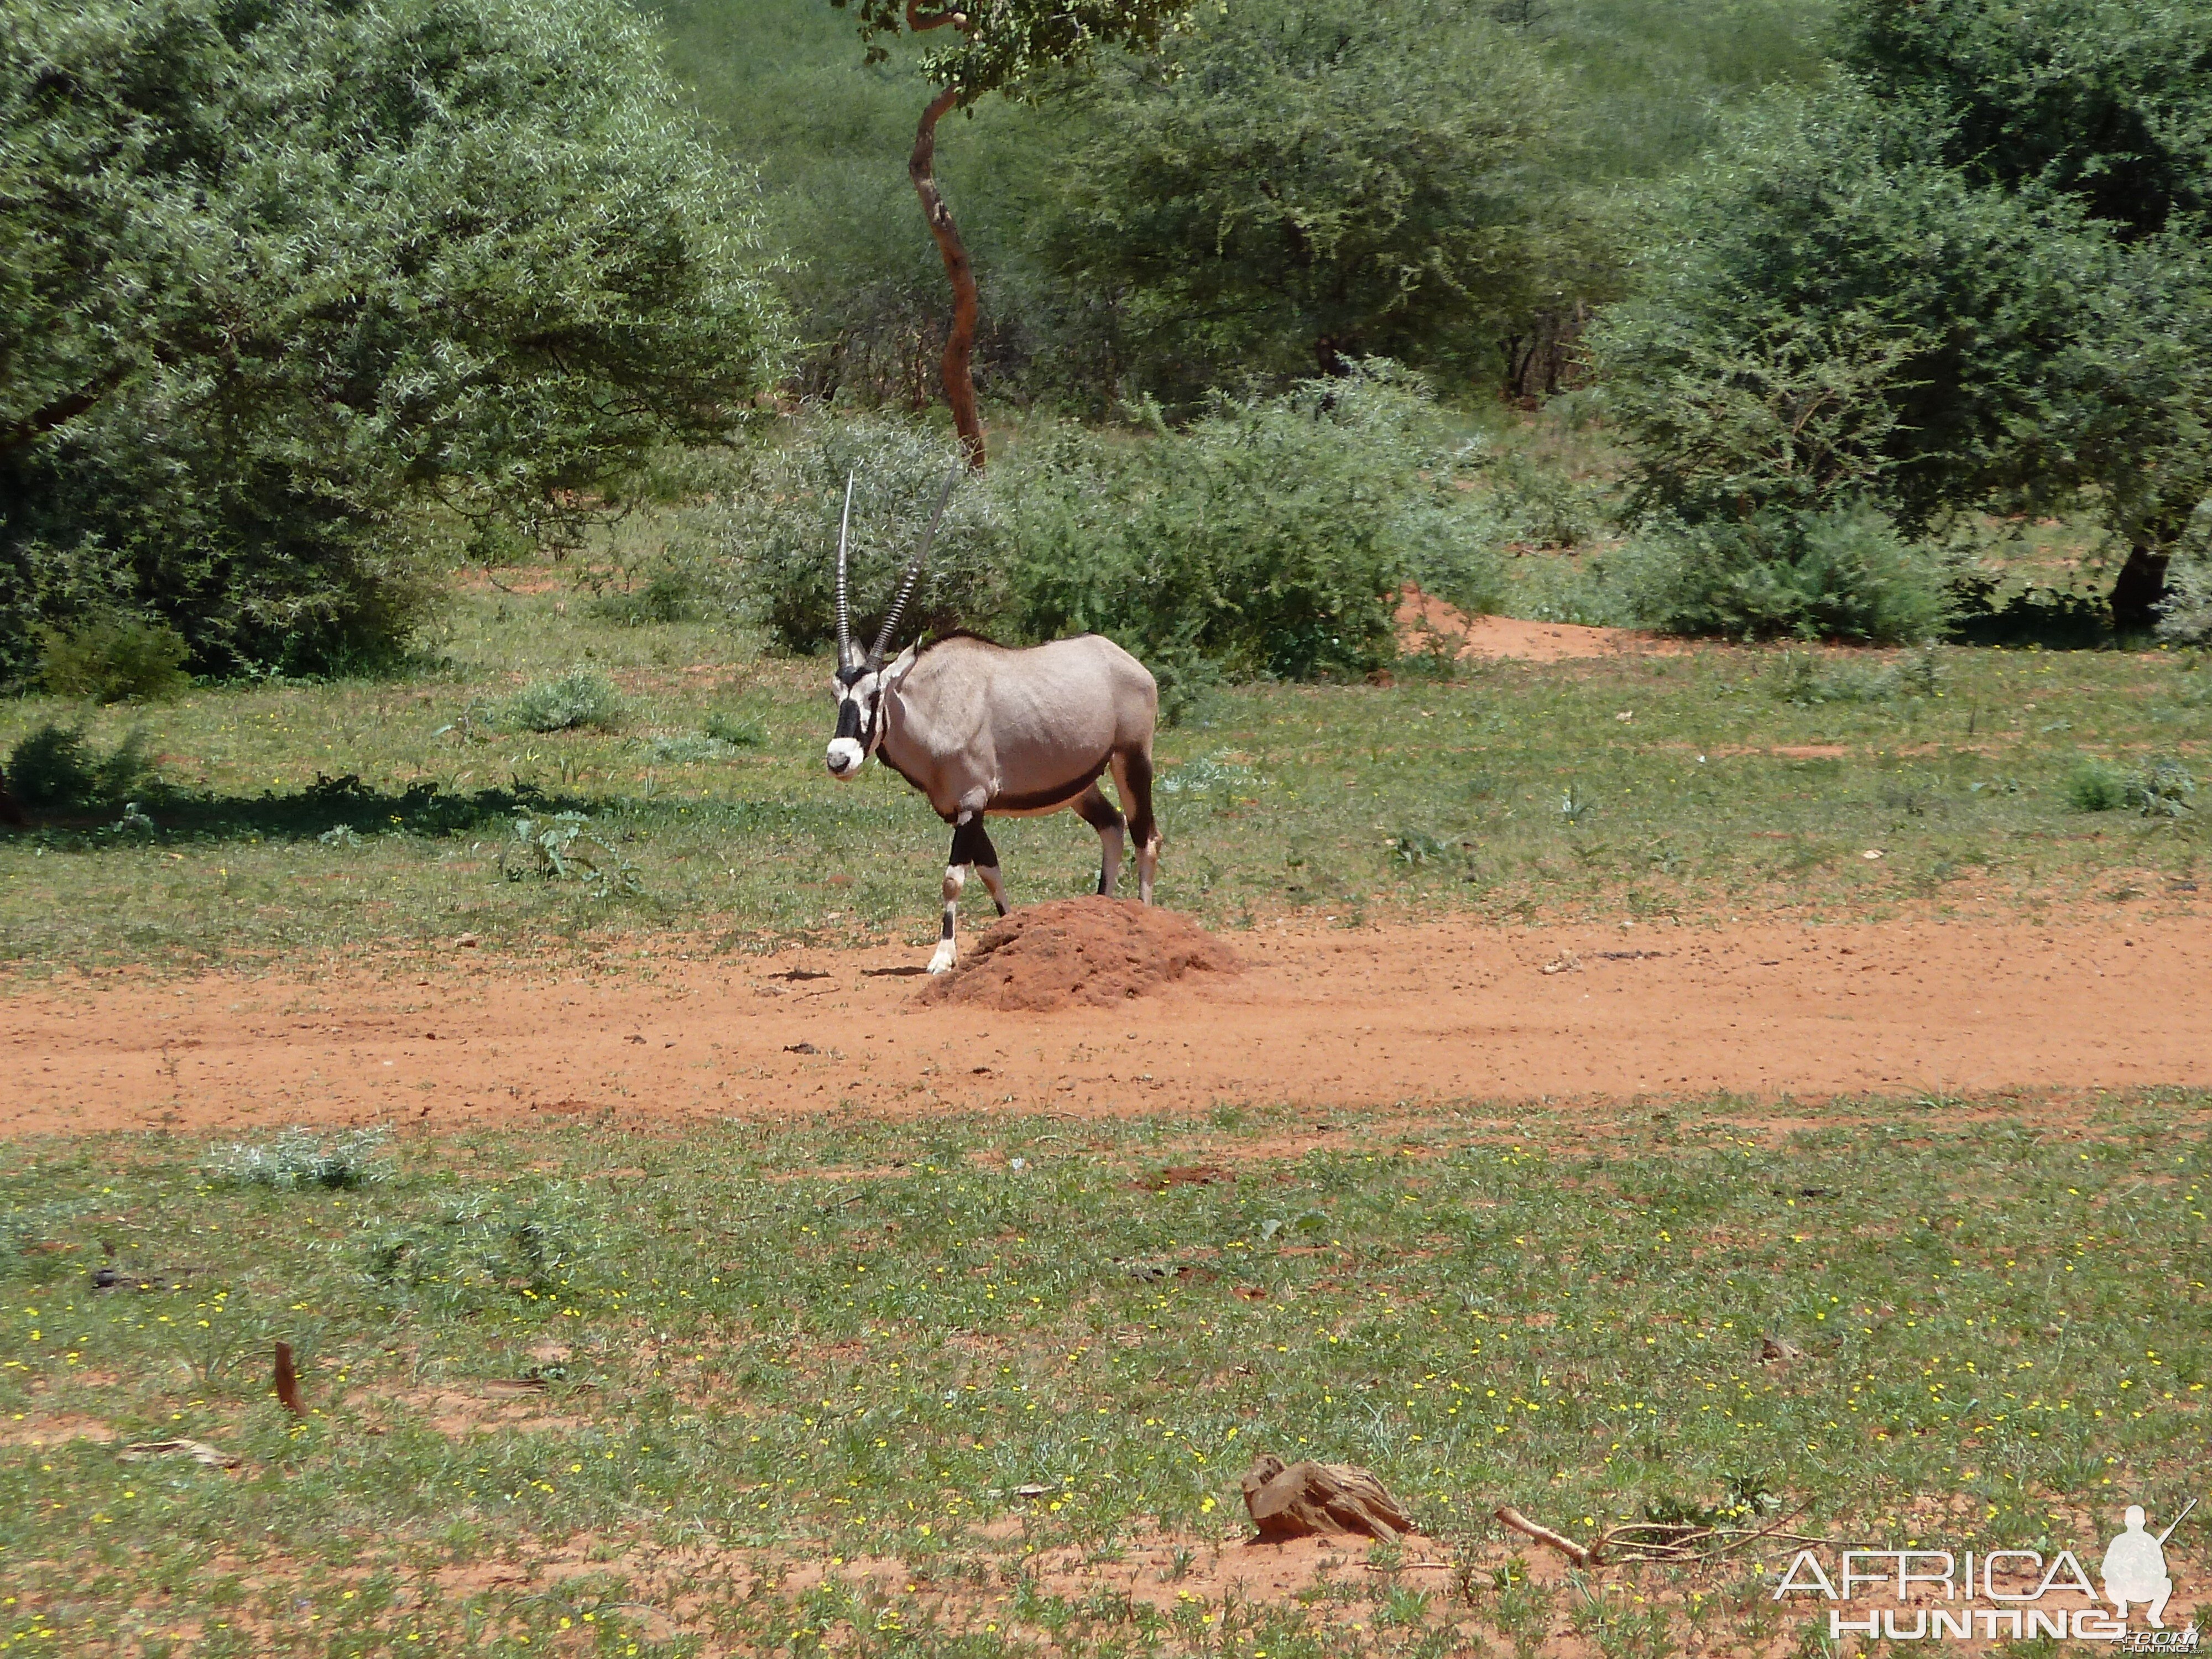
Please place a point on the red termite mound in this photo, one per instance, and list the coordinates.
(1081, 952)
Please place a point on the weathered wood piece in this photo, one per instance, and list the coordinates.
(1303, 1499)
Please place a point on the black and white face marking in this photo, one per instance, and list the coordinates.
(859, 691)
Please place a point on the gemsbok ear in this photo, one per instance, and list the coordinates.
(901, 665)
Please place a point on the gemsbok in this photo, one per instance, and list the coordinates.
(981, 728)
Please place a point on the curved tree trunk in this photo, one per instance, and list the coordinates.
(960, 341)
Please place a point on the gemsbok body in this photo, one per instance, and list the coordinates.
(981, 728)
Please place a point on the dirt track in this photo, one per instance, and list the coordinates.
(1322, 1017)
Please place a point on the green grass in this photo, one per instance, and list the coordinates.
(771, 1349)
(289, 821)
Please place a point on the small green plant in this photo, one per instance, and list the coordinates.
(2093, 787)
(2165, 789)
(55, 765)
(1418, 847)
(115, 659)
(738, 731)
(300, 1158)
(564, 846)
(1545, 504)
(667, 596)
(482, 1247)
(1801, 680)
(579, 699)
(685, 750)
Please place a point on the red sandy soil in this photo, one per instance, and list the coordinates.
(1423, 620)
(1321, 1016)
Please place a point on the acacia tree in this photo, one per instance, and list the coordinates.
(1298, 183)
(1012, 47)
(280, 278)
(1980, 262)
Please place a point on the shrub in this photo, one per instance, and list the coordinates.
(115, 659)
(1272, 538)
(2093, 787)
(300, 1158)
(55, 766)
(2164, 789)
(1841, 572)
(1802, 680)
(780, 534)
(579, 698)
(666, 597)
(2189, 581)
(483, 1249)
(256, 334)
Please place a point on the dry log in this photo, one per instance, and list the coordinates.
(198, 1451)
(1304, 1499)
(1543, 1535)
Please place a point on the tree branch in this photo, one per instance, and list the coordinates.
(960, 339)
(918, 21)
(60, 412)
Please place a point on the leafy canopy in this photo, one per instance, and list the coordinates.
(1971, 273)
(1013, 46)
(292, 274)
(1300, 182)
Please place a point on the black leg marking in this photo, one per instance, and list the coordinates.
(971, 845)
(1136, 776)
(947, 933)
(1095, 810)
(995, 882)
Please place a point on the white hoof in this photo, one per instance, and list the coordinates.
(942, 962)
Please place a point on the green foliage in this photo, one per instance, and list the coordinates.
(1803, 681)
(2165, 788)
(2095, 787)
(300, 1158)
(738, 731)
(1296, 183)
(115, 659)
(2110, 105)
(581, 699)
(1844, 572)
(1272, 538)
(293, 272)
(479, 1250)
(780, 533)
(567, 847)
(2189, 581)
(1953, 281)
(56, 765)
(1015, 46)
(665, 595)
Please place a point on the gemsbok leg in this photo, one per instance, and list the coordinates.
(970, 846)
(1095, 810)
(1132, 779)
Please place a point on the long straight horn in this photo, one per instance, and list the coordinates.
(844, 600)
(914, 571)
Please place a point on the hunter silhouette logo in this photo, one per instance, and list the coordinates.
(2135, 1567)
(1937, 1594)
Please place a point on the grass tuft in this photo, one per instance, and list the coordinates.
(300, 1158)
(580, 700)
